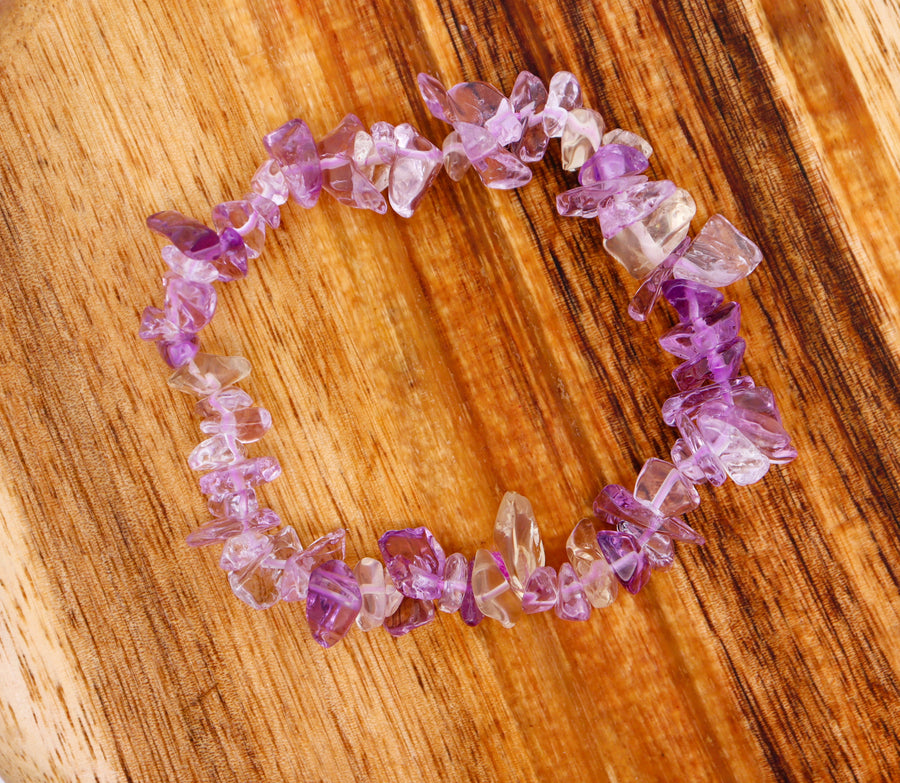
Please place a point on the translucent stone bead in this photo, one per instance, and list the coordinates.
(563, 95)
(244, 549)
(496, 167)
(249, 473)
(339, 153)
(410, 614)
(229, 400)
(247, 425)
(687, 341)
(616, 504)
(220, 530)
(332, 603)
(628, 139)
(572, 603)
(256, 585)
(415, 166)
(743, 462)
(474, 102)
(189, 268)
(535, 139)
(415, 561)
(658, 547)
(644, 245)
(691, 300)
(541, 591)
(493, 594)
(216, 452)
(240, 216)
(647, 295)
(716, 366)
(623, 553)
(586, 201)
(369, 575)
(269, 181)
(293, 147)
(232, 264)
(189, 304)
(631, 205)
(529, 95)
(469, 610)
(721, 255)
(456, 163)
(610, 162)
(517, 538)
(300, 565)
(580, 138)
(662, 487)
(505, 126)
(190, 236)
(238, 505)
(583, 551)
(265, 209)
(285, 544)
(392, 596)
(435, 96)
(207, 373)
(456, 573)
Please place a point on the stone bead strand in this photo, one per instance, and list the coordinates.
(728, 427)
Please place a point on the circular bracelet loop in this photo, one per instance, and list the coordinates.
(728, 427)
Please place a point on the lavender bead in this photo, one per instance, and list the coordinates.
(412, 613)
(647, 295)
(220, 530)
(456, 571)
(615, 503)
(474, 102)
(612, 161)
(194, 269)
(300, 565)
(332, 603)
(623, 553)
(417, 162)
(541, 591)
(689, 340)
(293, 147)
(497, 168)
(190, 236)
(415, 561)
(250, 473)
(691, 300)
(232, 264)
(716, 366)
(469, 610)
(629, 206)
(586, 202)
(572, 603)
(721, 255)
(435, 96)
(270, 183)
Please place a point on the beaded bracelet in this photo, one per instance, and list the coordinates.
(728, 426)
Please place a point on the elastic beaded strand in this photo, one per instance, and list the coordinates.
(728, 427)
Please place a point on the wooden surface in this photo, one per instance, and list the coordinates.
(418, 368)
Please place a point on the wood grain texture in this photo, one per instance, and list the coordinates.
(416, 370)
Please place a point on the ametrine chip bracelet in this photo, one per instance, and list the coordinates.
(728, 426)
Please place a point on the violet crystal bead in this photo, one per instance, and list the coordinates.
(691, 300)
(541, 591)
(190, 236)
(293, 147)
(456, 572)
(301, 564)
(612, 161)
(572, 603)
(469, 610)
(415, 561)
(250, 473)
(623, 552)
(720, 255)
(497, 168)
(412, 613)
(332, 603)
(615, 503)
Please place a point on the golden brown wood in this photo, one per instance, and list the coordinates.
(417, 369)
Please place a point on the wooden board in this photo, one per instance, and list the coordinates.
(416, 369)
